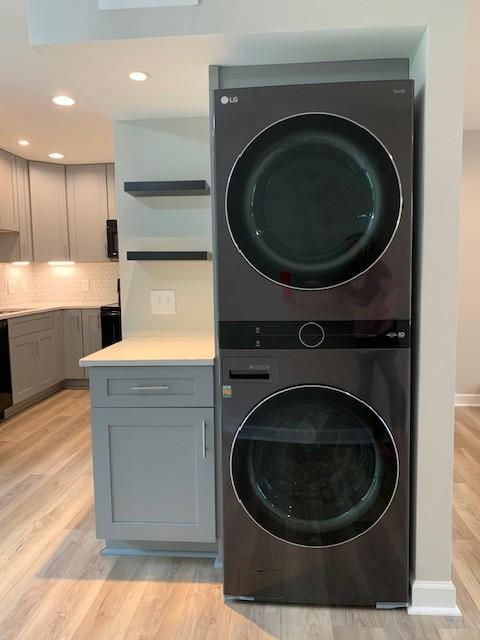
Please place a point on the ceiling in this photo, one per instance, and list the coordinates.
(95, 73)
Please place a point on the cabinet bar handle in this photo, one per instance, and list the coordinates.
(204, 438)
(161, 387)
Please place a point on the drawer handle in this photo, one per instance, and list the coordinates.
(204, 439)
(160, 387)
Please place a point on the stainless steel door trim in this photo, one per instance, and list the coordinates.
(353, 397)
(315, 113)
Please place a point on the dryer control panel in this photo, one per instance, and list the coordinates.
(315, 334)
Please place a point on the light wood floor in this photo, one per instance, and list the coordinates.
(55, 585)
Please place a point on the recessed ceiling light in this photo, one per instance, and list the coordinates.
(24, 143)
(138, 76)
(63, 101)
(56, 156)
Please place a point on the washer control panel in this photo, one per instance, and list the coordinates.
(315, 334)
(311, 335)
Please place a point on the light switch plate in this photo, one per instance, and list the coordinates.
(11, 287)
(85, 284)
(162, 301)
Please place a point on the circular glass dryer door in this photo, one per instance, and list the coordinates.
(313, 201)
(314, 466)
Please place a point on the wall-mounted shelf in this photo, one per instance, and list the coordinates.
(169, 255)
(149, 189)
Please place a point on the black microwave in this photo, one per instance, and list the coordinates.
(112, 240)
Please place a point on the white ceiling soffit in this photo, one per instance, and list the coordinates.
(143, 4)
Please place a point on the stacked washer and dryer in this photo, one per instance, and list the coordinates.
(313, 292)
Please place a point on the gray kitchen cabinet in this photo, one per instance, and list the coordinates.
(154, 473)
(22, 355)
(45, 364)
(32, 361)
(49, 211)
(87, 212)
(73, 344)
(18, 246)
(22, 202)
(92, 331)
(59, 350)
(112, 205)
(8, 217)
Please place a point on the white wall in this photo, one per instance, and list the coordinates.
(468, 349)
(164, 150)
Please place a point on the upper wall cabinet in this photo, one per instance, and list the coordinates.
(8, 218)
(49, 211)
(18, 246)
(22, 206)
(112, 205)
(87, 211)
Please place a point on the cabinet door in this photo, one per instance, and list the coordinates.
(59, 345)
(8, 218)
(22, 358)
(92, 331)
(154, 472)
(22, 201)
(73, 343)
(87, 212)
(112, 205)
(49, 211)
(45, 364)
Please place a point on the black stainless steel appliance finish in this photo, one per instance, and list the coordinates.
(316, 475)
(111, 319)
(112, 240)
(313, 187)
(5, 375)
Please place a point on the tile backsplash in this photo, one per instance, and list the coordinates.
(39, 283)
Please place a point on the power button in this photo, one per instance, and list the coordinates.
(311, 335)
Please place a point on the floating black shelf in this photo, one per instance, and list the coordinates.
(151, 189)
(169, 255)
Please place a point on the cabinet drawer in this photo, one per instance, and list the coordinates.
(30, 324)
(151, 386)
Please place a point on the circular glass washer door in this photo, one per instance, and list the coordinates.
(313, 201)
(314, 466)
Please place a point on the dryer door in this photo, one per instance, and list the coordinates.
(313, 201)
(314, 466)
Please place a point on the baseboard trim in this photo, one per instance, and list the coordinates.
(449, 612)
(467, 399)
(434, 598)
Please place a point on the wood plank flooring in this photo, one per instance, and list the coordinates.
(54, 584)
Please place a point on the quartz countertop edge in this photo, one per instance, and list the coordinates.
(149, 351)
(44, 308)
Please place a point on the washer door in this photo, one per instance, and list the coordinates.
(314, 466)
(313, 201)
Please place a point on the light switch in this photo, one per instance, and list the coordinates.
(85, 285)
(162, 301)
(11, 287)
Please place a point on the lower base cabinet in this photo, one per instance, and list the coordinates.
(32, 355)
(45, 349)
(154, 473)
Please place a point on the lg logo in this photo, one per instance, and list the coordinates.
(227, 100)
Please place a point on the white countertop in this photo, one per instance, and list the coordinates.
(155, 351)
(28, 309)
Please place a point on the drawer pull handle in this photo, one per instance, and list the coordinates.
(204, 439)
(160, 387)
